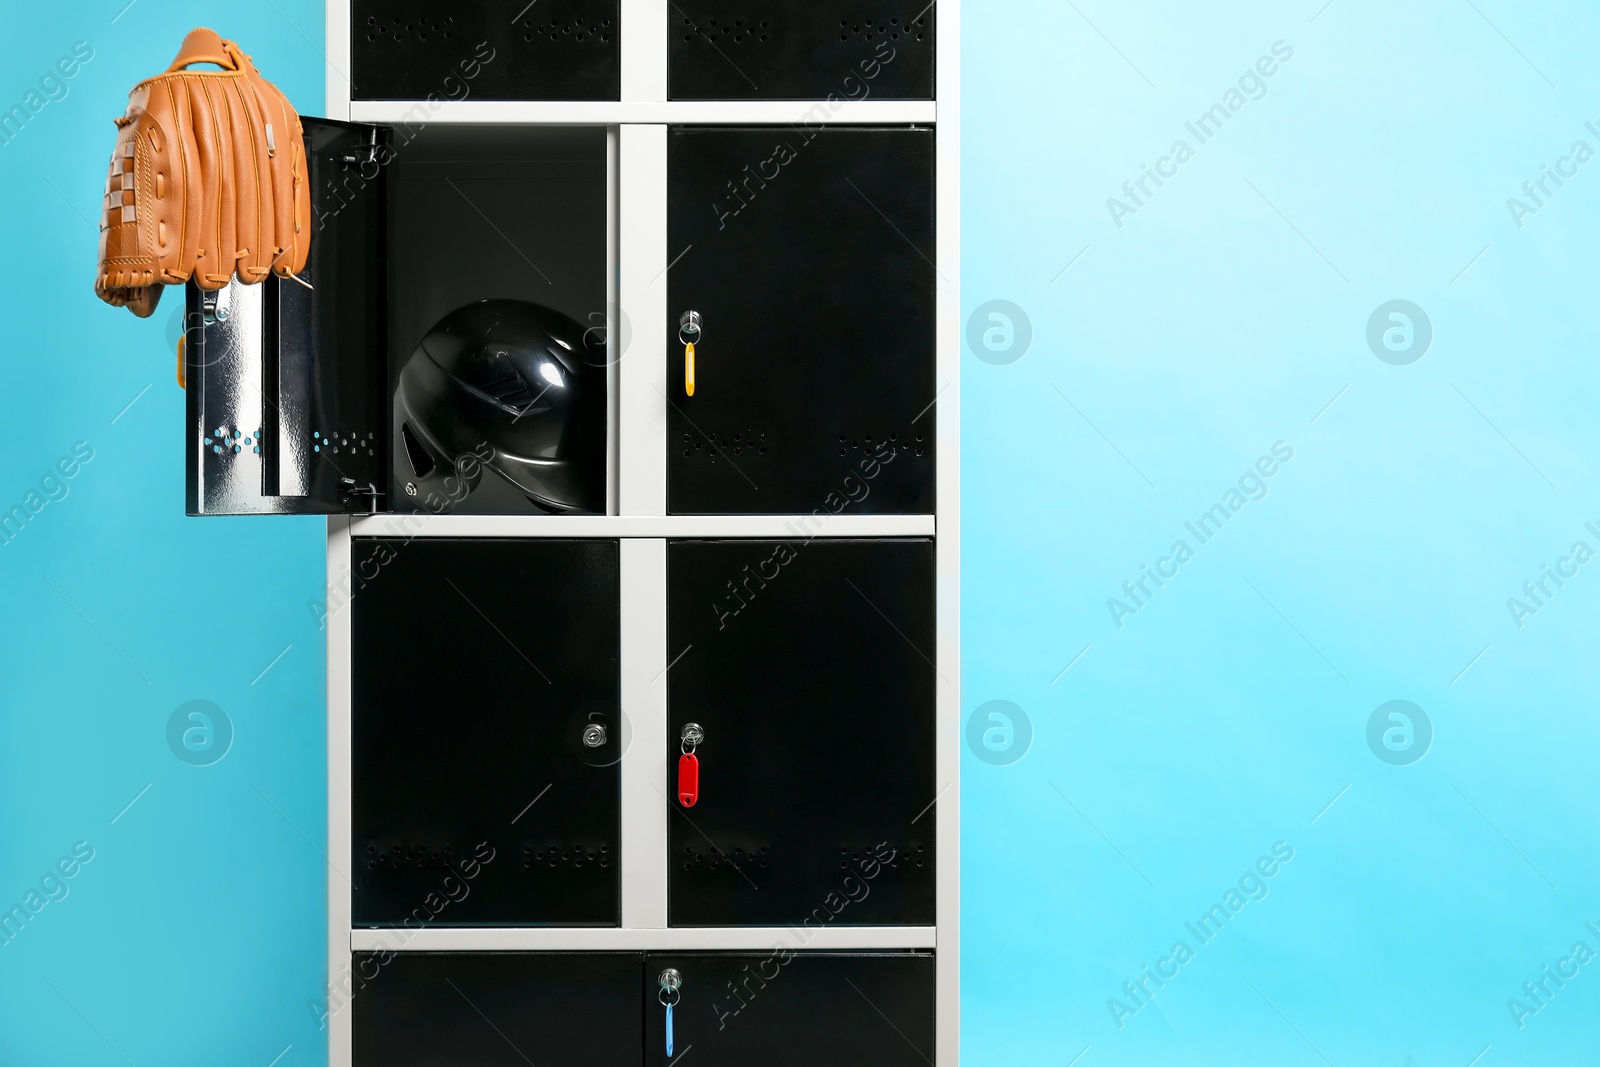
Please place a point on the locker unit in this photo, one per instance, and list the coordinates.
(688, 751)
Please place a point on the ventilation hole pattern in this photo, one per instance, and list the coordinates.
(886, 853)
(871, 28)
(568, 31)
(746, 857)
(406, 854)
(408, 27)
(912, 443)
(232, 441)
(345, 442)
(737, 446)
(719, 32)
(739, 31)
(570, 855)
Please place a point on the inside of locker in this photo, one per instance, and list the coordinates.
(490, 212)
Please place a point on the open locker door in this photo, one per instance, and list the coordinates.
(286, 380)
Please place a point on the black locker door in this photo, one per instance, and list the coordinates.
(502, 50)
(793, 1009)
(486, 732)
(807, 252)
(809, 667)
(500, 1009)
(800, 50)
(285, 406)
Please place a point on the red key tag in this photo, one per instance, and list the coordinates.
(688, 779)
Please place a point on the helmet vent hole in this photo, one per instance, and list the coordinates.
(510, 389)
(421, 463)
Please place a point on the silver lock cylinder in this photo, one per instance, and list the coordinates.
(693, 734)
(594, 735)
(670, 980)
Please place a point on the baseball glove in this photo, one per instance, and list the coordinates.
(208, 179)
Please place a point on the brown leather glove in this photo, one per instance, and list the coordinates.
(208, 178)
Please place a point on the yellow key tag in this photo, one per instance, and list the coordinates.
(688, 368)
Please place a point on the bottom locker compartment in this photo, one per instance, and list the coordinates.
(782, 1008)
(497, 1009)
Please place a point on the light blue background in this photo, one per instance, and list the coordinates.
(195, 936)
(1207, 728)
(1176, 750)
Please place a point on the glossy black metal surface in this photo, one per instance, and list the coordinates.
(485, 50)
(809, 664)
(476, 667)
(794, 1009)
(808, 253)
(502, 1009)
(285, 396)
(800, 50)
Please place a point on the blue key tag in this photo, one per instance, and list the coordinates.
(670, 981)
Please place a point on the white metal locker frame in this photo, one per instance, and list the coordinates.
(637, 235)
